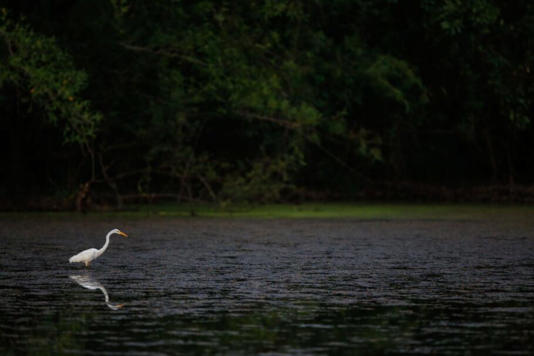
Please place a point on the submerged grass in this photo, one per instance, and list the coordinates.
(364, 211)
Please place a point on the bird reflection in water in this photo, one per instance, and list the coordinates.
(87, 281)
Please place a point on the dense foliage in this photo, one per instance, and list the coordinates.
(262, 100)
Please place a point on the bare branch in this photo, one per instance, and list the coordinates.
(111, 183)
(8, 43)
(165, 53)
(278, 121)
(208, 187)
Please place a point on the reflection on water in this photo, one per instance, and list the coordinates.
(87, 281)
(201, 286)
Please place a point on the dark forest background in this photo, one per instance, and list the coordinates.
(110, 102)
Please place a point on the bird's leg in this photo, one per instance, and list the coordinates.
(87, 263)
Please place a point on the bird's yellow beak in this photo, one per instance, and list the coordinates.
(122, 233)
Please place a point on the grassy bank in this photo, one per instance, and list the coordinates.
(364, 211)
(347, 210)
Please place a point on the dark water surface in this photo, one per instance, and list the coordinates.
(232, 286)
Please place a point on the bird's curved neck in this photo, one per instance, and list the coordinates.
(101, 251)
(105, 292)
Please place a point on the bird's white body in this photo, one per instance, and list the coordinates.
(91, 254)
(87, 255)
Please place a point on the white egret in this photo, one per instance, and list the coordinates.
(92, 253)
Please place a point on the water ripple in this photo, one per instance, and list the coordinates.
(268, 287)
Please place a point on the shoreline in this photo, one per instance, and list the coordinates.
(327, 210)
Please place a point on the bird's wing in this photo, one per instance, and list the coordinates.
(83, 256)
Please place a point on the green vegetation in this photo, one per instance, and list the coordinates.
(361, 211)
(372, 211)
(118, 101)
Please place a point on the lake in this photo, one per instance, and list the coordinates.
(267, 286)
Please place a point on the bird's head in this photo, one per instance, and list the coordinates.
(117, 231)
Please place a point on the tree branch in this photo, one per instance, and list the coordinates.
(8, 43)
(161, 52)
(278, 121)
(111, 183)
